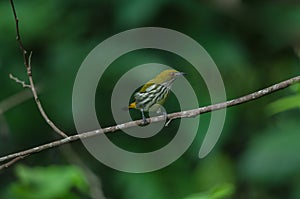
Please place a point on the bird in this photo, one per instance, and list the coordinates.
(154, 92)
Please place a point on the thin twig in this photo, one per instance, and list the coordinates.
(19, 81)
(18, 38)
(11, 162)
(168, 122)
(172, 116)
(38, 103)
(27, 63)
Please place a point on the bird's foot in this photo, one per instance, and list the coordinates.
(145, 122)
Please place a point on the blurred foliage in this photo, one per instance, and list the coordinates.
(273, 146)
(223, 191)
(254, 44)
(48, 182)
(286, 103)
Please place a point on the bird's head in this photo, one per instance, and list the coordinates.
(167, 77)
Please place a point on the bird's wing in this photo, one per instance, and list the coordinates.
(146, 86)
(141, 94)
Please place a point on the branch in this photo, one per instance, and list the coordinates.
(19, 81)
(18, 38)
(27, 63)
(172, 116)
(11, 162)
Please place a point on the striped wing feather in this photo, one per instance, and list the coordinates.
(150, 94)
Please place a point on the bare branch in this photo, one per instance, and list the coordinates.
(27, 63)
(172, 116)
(19, 81)
(13, 161)
(18, 38)
(37, 100)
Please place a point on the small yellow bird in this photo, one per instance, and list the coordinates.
(154, 91)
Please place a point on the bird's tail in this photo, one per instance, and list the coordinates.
(132, 105)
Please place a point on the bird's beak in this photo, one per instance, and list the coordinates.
(180, 74)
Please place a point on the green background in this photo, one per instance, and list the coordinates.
(253, 43)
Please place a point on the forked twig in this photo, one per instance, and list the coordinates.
(24, 85)
(27, 63)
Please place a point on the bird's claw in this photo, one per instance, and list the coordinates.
(145, 122)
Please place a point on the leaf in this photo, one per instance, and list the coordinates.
(219, 192)
(284, 104)
(47, 182)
